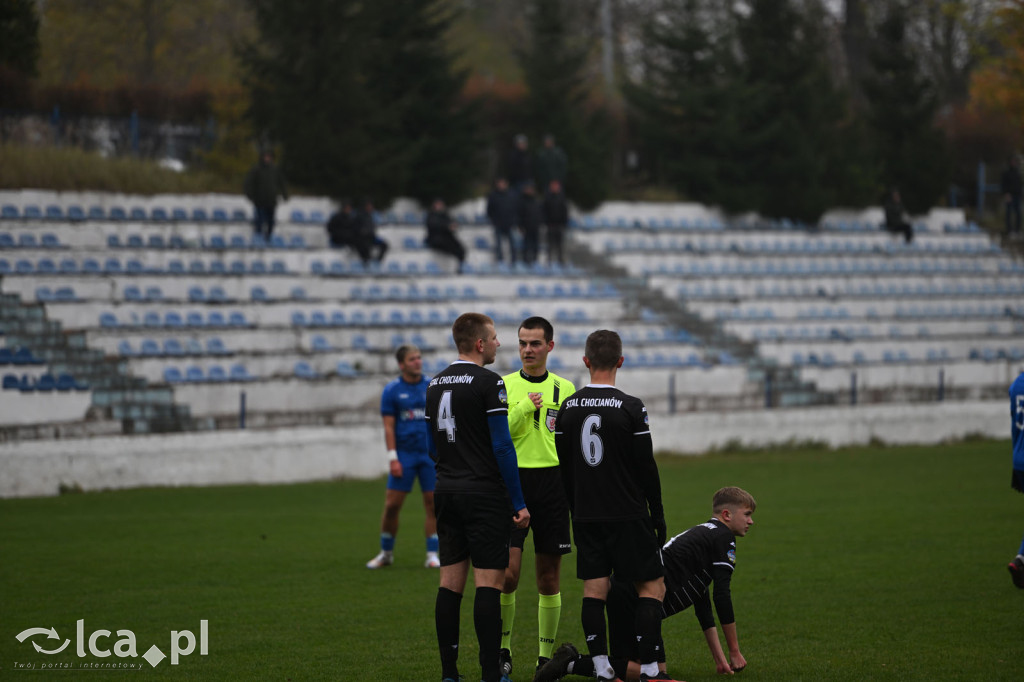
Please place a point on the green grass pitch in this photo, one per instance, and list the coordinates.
(862, 564)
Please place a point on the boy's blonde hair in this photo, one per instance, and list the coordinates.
(731, 496)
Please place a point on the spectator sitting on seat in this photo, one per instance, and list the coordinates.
(501, 211)
(340, 226)
(441, 232)
(367, 243)
(529, 223)
(895, 216)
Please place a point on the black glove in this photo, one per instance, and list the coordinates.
(660, 530)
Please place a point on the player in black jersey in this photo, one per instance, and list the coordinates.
(478, 496)
(614, 492)
(694, 559)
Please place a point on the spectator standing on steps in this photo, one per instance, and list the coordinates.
(501, 211)
(518, 169)
(263, 184)
(529, 223)
(552, 164)
(556, 219)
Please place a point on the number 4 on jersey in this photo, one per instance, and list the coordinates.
(445, 418)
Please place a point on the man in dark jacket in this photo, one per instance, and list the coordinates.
(1011, 186)
(529, 223)
(517, 167)
(367, 243)
(263, 184)
(895, 220)
(552, 164)
(340, 226)
(501, 211)
(441, 233)
(556, 217)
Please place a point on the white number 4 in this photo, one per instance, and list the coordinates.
(445, 418)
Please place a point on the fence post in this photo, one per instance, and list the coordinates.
(768, 390)
(853, 388)
(942, 384)
(241, 410)
(672, 393)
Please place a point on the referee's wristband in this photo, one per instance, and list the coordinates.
(392, 455)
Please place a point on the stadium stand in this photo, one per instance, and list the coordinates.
(151, 295)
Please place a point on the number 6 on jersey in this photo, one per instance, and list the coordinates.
(591, 444)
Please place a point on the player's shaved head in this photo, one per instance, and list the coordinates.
(603, 349)
(468, 329)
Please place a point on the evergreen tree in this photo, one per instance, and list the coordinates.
(554, 69)
(19, 36)
(790, 115)
(682, 103)
(902, 106)
(362, 97)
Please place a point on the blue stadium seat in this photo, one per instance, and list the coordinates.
(298, 318)
(112, 266)
(154, 293)
(137, 213)
(54, 212)
(27, 240)
(152, 319)
(9, 212)
(216, 373)
(195, 374)
(193, 347)
(31, 212)
(217, 267)
(46, 266)
(237, 319)
(159, 214)
(258, 267)
(65, 294)
(317, 268)
(199, 215)
(240, 373)
(196, 294)
(46, 383)
(278, 267)
(320, 344)
(195, 319)
(108, 320)
(113, 241)
(345, 369)
(124, 348)
(44, 294)
(216, 319)
(303, 370)
(156, 241)
(216, 294)
(97, 213)
(150, 347)
(197, 267)
(237, 267)
(7, 241)
(258, 293)
(338, 319)
(175, 267)
(219, 215)
(215, 346)
(297, 216)
(134, 267)
(299, 294)
(239, 216)
(179, 214)
(117, 213)
(172, 375)
(49, 241)
(296, 241)
(173, 319)
(237, 241)
(173, 347)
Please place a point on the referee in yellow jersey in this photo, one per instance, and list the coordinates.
(534, 396)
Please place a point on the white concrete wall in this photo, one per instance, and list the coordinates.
(39, 468)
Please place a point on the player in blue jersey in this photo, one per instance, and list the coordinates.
(1017, 432)
(405, 435)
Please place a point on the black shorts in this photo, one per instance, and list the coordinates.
(549, 512)
(1017, 482)
(472, 526)
(629, 549)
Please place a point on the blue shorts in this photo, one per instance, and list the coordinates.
(415, 465)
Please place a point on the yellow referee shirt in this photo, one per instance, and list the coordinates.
(532, 429)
